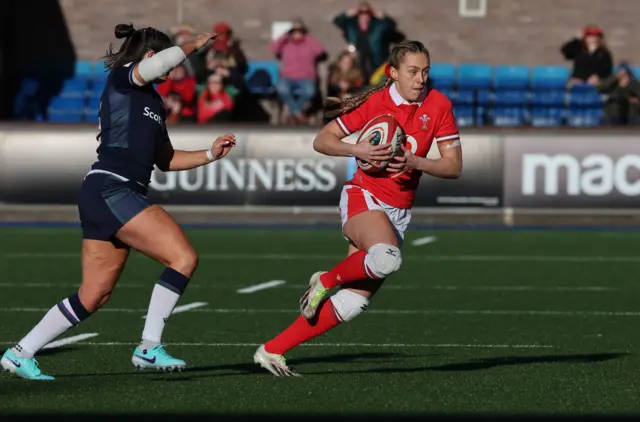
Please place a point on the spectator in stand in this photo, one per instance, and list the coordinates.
(195, 62)
(371, 32)
(344, 76)
(299, 53)
(215, 104)
(623, 103)
(591, 58)
(173, 103)
(180, 82)
(229, 48)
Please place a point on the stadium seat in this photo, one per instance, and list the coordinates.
(96, 89)
(442, 75)
(465, 97)
(548, 98)
(582, 88)
(588, 99)
(464, 115)
(547, 116)
(511, 77)
(474, 76)
(451, 94)
(636, 71)
(262, 77)
(508, 116)
(584, 117)
(510, 98)
(66, 110)
(549, 77)
(92, 109)
(74, 88)
(83, 68)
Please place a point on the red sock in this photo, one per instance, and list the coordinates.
(302, 330)
(352, 268)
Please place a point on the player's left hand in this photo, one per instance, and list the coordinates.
(222, 145)
(403, 161)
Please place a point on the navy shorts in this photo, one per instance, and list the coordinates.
(107, 203)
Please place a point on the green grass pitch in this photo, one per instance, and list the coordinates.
(475, 322)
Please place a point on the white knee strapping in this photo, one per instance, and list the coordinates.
(382, 260)
(348, 304)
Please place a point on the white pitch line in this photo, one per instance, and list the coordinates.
(424, 241)
(384, 345)
(184, 308)
(261, 286)
(69, 340)
(377, 311)
(438, 258)
(223, 286)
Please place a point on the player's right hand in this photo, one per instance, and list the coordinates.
(201, 39)
(367, 152)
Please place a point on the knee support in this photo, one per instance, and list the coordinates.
(348, 304)
(382, 260)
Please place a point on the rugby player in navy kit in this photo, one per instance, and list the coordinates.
(115, 214)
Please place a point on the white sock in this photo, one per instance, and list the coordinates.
(161, 305)
(52, 325)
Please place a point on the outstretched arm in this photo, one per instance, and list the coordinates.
(169, 159)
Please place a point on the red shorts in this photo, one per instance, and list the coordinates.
(355, 200)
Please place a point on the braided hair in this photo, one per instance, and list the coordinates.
(334, 106)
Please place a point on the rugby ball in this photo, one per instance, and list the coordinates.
(386, 130)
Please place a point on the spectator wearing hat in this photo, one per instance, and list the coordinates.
(229, 48)
(623, 91)
(591, 58)
(299, 53)
(371, 32)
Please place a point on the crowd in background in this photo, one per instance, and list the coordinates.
(210, 86)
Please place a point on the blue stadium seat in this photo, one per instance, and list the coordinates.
(582, 88)
(451, 94)
(465, 97)
(549, 77)
(484, 97)
(474, 76)
(92, 109)
(464, 115)
(443, 75)
(96, 89)
(550, 98)
(66, 110)
(74, 88)
(588, 99)
(83, 68)
(511, 77)
(584, 117)
(636, 71)
(508, 116)
(262, 77)
(547, 116)
(510, 98)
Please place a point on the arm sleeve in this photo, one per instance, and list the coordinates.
(354, 120)
(447, 129)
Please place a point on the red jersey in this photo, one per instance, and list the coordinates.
(430, 119)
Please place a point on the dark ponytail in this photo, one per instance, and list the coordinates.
(335, 106)
(136, 44)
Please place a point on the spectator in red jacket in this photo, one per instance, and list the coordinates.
(214, 104)
(180, 82)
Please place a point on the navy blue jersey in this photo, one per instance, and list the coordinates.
(132, 126)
